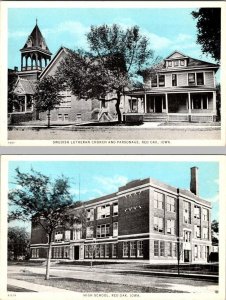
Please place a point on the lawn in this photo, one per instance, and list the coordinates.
(86, 286)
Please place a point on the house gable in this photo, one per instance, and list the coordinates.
(176, 55)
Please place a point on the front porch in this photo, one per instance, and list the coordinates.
(195, 106)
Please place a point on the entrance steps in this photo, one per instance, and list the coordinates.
(155, 117)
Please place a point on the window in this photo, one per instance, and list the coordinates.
(115, 209)
(156, 248)
(133, 103)
(66, 252)
(35, 253)
(197, 212)
(97, 251)
(191, 78)
(114, 250)
(65, 117)
(170, 63)
(205, 213)
(168, 249)
(199, 101)
(89, 232)
(158, 200)
(125, 249)
(205, 233)
(103, 230)
(176, 63)
(67, 235)
(107, 250)
(132, 249)
(91, 251)
(187, 236)
(154, 81)
(77, 233)
(101, 250)
(174, 249)
(103, 211)
(140, 249)
(161, 80)
(59, 117)
(174, 79)
(65, 99)
(170, 226)
(115, 229)
(187, 212)
(158, 224)
(58, 236)
(181, 62)
(200, 78)
(90, 214)
(170, 204)
(162, 248)
(86, 251)
(197, 231)
(57, 252)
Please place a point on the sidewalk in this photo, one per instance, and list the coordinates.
(35, 287)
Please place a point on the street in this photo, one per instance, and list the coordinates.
(115, 133)
(111, 276)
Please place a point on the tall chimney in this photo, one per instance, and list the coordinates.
(194, 186)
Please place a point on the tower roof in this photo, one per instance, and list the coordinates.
(36, 41)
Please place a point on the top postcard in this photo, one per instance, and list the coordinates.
(112, 74)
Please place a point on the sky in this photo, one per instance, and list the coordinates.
(98, 178)
(167, 29)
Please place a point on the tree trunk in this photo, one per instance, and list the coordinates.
(117, 107)
(48, 115)
(48, 258)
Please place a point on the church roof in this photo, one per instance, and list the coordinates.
(36, 40)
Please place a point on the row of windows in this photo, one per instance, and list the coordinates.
(176, 63)
(60, 252)
(103, 212)
(165, 248)
(102, 230)
(35, 253)
(197, 213)
(159, 226)
(192, 79)
(159, 202)
(66, 235)
(133, 249)
(201, 251)
(101, 250)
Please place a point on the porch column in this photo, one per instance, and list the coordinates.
(25, 103)
(166, 99)
(214, 103)
(189, 103)
(145, 103)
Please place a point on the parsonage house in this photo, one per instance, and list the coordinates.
(182, 89)
(144, 220)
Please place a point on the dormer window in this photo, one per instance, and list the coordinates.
(182, 62)
(176, 63)
(169, 63)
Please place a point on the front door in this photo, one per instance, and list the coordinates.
(158, 104)
(76, 252)
(187, 255)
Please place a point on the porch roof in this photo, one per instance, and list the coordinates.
(170, 90)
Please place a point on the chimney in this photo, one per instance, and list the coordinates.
(194, 187)
(16, 69)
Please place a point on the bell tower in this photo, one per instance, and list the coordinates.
(35, 55)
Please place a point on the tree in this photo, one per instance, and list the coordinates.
(209, 30)
(18, 243)
(46, 203)
(112, 66)
(12, 78)
(47, 96)
(215, 231)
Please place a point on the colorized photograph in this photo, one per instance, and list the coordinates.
(114, 74)
(91, 225)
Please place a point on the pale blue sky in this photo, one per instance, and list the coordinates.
(98, 178)
(167, 29)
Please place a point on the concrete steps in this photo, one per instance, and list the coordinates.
(155, 117)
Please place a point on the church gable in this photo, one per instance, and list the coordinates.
(50, 70)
